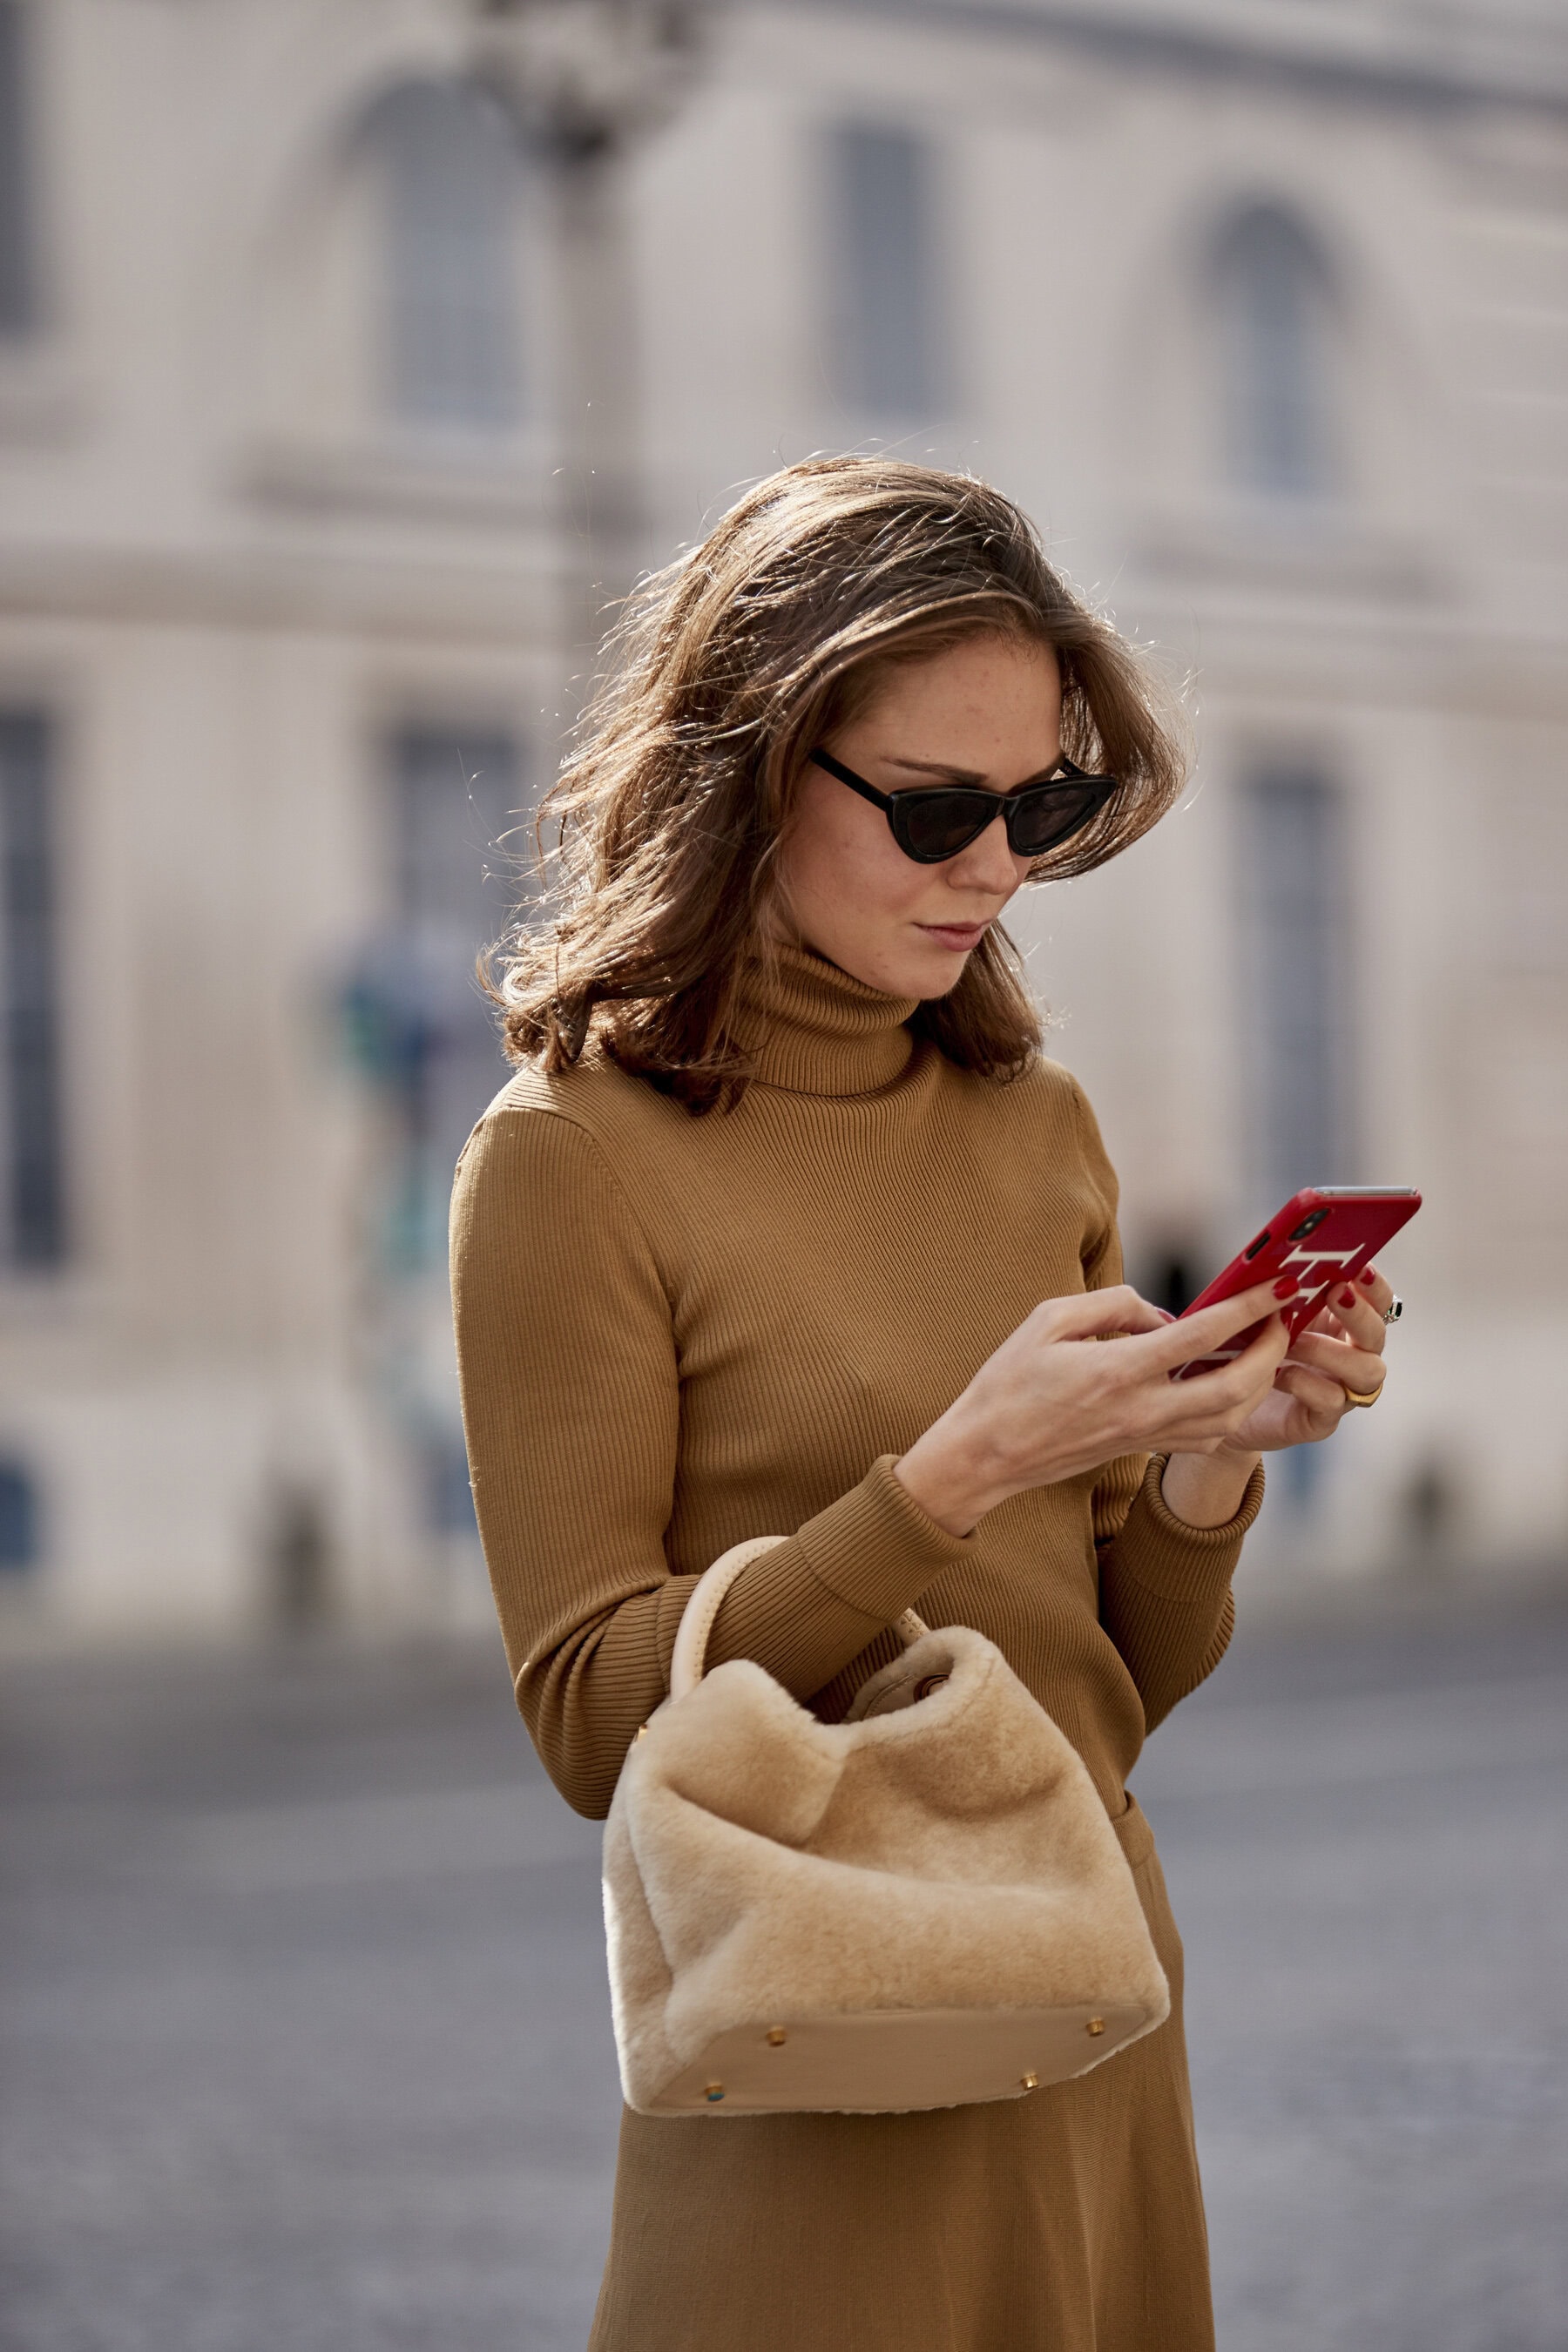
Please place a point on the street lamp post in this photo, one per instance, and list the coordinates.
(586, 80)
(589, 79)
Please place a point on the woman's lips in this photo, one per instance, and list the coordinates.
(961, 936)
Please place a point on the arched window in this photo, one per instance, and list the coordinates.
(453, 183)
(1276, 331)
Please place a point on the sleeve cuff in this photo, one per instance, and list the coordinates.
(1169, 1558)
(874, 1548)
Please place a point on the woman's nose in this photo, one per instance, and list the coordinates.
(988, 862)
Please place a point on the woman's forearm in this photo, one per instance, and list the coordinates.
(1206, 1490)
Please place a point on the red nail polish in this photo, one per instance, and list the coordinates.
(1368, 1276)
(1287, 1287)
(1347, 1298)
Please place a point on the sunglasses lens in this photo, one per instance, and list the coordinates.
(1042, 820)
(933, 825)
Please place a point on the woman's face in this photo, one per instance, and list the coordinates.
(987, 711)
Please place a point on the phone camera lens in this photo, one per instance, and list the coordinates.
(1309, 1225)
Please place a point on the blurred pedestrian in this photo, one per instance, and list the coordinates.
(787, 1223)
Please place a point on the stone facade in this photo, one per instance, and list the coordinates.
(345, 353)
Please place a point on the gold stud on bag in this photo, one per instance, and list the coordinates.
(924, 1906)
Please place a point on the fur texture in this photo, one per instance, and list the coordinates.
(950, 1855)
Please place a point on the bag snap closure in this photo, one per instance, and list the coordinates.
(929, 1682)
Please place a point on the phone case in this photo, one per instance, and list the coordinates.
(1323, 1236)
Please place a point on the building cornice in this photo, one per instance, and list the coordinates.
(1395, 646)
(508, 603)
(1388, 56)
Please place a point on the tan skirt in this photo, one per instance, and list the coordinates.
(1069, 2221)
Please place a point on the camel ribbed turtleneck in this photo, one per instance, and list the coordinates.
(676, 1332)
(814, 1031)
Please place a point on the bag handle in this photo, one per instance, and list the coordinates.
(687, 1660)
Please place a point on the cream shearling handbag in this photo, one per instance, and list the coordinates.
(922, 1906)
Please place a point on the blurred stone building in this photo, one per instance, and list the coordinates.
(346, 345)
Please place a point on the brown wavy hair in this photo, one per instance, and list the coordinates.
(722, 673)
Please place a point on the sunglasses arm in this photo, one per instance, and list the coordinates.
(836, 768)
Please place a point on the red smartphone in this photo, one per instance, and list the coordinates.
(1323, 1236)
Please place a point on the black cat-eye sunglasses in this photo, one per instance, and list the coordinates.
(934, 822)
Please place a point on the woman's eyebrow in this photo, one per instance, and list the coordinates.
(940, 768)
(972, 776)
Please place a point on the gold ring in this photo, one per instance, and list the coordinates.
(1370, 1398)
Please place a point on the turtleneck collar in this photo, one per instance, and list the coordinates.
(812, 1030)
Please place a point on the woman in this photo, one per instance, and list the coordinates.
(787, 1225)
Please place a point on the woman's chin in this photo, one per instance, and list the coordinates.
(930, 969)
(920, 966)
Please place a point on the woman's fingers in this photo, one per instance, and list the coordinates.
(1255, 1366)
(1098, 1312)
(1370, 1285)
(1325, 1399)
(1353, 1310)
(1231, 1385)
(1361, 1368)
(1192, 1336)
(1212, 1404)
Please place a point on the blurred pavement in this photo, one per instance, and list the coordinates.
(306, 2041)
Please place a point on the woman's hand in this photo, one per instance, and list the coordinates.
(1340, 1350)
(1054, 1401)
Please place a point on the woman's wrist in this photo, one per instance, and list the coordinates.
(948, 1474)
(955, 1474)
(1207, 1490)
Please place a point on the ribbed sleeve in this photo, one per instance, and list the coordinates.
(1164, 1592)
(571, 1409)
(806, 1609)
